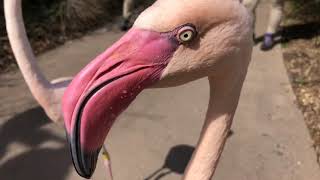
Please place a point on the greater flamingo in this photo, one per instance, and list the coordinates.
(171, 43)
(47, 93)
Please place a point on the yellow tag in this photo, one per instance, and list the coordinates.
(106, 155)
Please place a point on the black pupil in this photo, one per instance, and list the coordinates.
(186, 35)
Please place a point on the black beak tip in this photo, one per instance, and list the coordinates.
(87, 165)
(84, 162)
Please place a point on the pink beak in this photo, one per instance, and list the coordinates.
(106, 87)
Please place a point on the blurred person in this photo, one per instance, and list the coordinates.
(126, 14)
(274, 20)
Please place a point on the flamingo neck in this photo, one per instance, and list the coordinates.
(22, 50)
(223, 101)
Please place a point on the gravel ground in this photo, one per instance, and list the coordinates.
(302, 60)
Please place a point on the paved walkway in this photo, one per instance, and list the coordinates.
(270, 140)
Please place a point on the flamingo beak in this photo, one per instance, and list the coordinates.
(106, 87)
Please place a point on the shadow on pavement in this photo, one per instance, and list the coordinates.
(176, 162)
(292, 32)
(36, 162)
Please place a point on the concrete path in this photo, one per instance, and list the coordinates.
(270, 140)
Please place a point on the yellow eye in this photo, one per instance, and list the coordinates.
(186, 34)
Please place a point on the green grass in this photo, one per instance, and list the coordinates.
(305, 10)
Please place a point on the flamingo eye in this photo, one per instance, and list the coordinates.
(186, 34)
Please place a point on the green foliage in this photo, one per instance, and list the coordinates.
(38, 14)
(47, 24)
(41, 10)
(307, 10)
(52, 22)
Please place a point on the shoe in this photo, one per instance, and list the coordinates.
(268, 42)
(125, 24)
(255, 40)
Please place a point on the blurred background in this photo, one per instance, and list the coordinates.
(50, 23)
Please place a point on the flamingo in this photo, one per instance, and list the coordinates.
(171, 43)
(47, 93)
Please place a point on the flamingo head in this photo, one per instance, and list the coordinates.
(171, 43)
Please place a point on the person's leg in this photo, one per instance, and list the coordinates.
(274, 23)
(275, 16)
(127, 8)
(126, 13)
